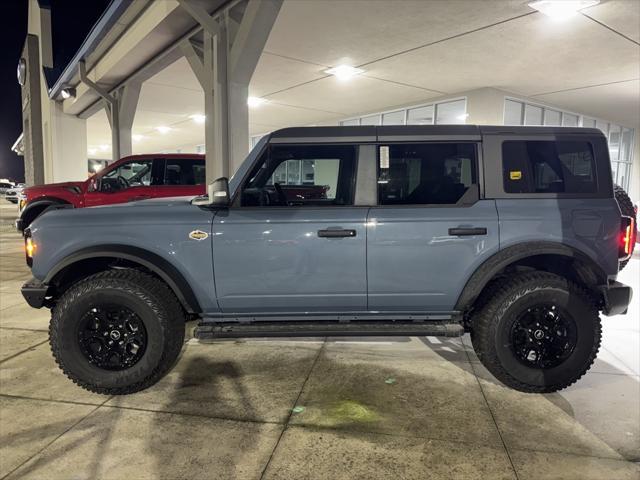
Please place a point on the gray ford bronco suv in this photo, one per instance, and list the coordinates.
(510, 233)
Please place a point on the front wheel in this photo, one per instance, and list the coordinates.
(538, 333)
(117, 332)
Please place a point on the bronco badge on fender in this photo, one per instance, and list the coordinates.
(198, 235)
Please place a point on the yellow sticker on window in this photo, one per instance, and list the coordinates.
(515, 175)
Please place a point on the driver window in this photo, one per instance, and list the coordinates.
(137, 173)
(302, 175)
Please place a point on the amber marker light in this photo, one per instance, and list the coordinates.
(30, 247)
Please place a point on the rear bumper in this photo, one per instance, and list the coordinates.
(35, 293)
(617, 297)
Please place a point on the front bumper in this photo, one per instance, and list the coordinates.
(617, 298)
(35, 293)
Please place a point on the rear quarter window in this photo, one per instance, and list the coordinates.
(533, 166)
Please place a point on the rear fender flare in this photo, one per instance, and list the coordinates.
(496, 263)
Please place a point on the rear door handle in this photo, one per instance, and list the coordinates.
(463, 232)
(336, 233)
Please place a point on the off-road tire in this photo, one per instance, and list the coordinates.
(626, 207)
(491, 326)
(150, 299)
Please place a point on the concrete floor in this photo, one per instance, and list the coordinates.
(401, 408)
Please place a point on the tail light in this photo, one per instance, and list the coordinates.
(627, 237)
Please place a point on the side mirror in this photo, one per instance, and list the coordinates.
(217, 194)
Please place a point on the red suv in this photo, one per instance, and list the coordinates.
(132, 178)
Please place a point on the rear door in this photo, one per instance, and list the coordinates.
(430, 229)
(181, 177)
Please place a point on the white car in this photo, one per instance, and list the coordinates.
(13, 194)
(5, 185)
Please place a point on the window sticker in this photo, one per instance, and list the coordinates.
(384, 157)
(515, 174)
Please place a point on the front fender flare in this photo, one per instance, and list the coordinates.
(152, 261)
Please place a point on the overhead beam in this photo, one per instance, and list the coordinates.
(201, 16)
(234, 38)
(251, 37)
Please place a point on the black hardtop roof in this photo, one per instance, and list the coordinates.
(424, 130)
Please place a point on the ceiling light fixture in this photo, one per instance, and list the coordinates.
(344, 72)
(163, 129)
(198, 118)
(256, 101)
(68, 93)
(562, 9)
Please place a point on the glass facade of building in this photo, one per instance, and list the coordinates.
(451, 112)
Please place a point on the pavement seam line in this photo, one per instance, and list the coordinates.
(24, 329)
(286, 423)
(56, 438)
(506, 450)
(23, 351)
(139, 409)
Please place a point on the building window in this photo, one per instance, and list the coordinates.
(393, 118)
(450, 112)
(370, 120)
(420, 115)
(620, 138)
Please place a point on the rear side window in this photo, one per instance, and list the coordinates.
(184, 172)
(425, 173)
(532, 166)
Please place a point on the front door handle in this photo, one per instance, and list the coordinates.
(336, 233)
(463, 232)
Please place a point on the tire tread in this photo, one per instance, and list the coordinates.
(154, 293)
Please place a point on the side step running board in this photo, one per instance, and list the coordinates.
(327, 329)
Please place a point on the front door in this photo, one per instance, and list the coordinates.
(130, 181)
(293, 242)
(430, 230)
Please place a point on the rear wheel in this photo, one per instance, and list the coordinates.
(539, 332)
(627, 209)
(117, 332)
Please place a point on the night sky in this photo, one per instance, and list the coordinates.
(71, 22)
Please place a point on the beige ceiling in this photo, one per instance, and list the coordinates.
(411, 51)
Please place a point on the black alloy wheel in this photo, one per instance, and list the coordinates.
(112, 337)
(543, 336)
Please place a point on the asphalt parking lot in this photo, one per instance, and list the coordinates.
(323, 408)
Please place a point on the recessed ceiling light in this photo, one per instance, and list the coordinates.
(198, 118)
(561, 9)
(137, 138)
(344, 72)
(256, 101)
(163, 129)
